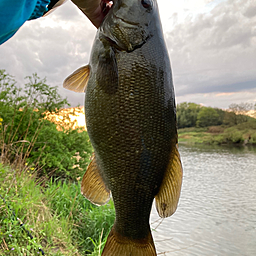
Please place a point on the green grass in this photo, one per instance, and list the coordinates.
(192, 135)
(59, 218)
(243, 134)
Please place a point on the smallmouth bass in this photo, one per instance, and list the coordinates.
(131, 121)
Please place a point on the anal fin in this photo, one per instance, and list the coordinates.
(168, 195)
(93, 186)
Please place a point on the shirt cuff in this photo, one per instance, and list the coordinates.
(40, 9)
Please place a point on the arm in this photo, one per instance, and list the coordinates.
(14, 13)
(95, 10)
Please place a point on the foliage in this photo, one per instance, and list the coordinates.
(232, 135)
(60, 219)
(207, 117)
(241, 109)
(27, 137)
(243, 133)
(187, 114)
(24, 198)
(90, 222)
(238, 113)
(215, 129)
(192, 115)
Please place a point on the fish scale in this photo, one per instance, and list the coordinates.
(131, 121)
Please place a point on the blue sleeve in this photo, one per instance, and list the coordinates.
(14, 13)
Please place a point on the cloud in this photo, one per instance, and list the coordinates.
(220, 100)
(212, 45)
(215, 51)
(53, 47)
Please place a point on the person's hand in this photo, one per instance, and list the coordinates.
(95, 10)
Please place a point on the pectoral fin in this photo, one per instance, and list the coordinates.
(78, 80)
(93, 186)
(107, 71)
(168, 196)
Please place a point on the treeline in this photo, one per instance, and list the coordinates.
(194, 115)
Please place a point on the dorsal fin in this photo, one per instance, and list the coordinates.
(78, 80)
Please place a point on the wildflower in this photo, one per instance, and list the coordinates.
(10, 235)
(32, 168)
(12, 249)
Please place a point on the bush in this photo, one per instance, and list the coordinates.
(253, 138)
(90, 223)
(215, 129)
(27, 138)
(231, 135)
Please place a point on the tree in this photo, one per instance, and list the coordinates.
(241, 111)
(207, 117)
(187, 114)
(26, 137)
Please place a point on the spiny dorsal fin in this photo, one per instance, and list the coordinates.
(78, 80)
(93, 186)
(168, 196)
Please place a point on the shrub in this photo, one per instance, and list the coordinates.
(90, 223)
(215, 129)
(232, 135)
(28, 138)
(253, 138)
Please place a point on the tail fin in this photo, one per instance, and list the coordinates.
(118, 245)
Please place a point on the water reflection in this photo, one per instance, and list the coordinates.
(217, 210)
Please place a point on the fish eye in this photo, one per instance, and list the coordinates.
(146, 4)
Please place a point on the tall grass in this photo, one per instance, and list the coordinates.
(61, 220)
(24, 198)
(39, 169)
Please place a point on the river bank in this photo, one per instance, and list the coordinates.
(242, 134)
(60, 220)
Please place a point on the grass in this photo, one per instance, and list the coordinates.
(241, 134)
(192, 135)
(59, 218)
(40, 164)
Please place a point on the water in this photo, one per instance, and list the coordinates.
(217, 209)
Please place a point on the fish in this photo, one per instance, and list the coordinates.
(131, 122)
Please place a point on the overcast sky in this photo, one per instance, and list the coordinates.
(212, 47)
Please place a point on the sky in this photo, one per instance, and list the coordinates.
(211, 44)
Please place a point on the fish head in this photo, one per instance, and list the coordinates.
(130, 23)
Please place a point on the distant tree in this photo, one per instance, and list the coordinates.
(241, 111)
(207, 117)
(230, 118)
(187, 114)
(221, 114)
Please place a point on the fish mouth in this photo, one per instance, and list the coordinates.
(125, 21)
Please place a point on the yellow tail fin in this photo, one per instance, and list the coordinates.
(118, 245)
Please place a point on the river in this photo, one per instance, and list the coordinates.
(217, 209)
